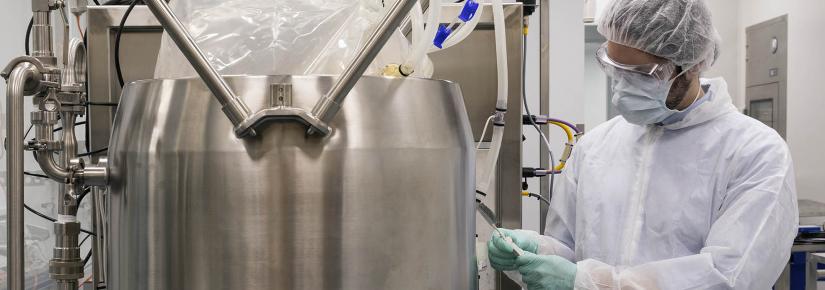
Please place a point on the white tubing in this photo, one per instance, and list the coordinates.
(420, 49)
(483, 183)
(501, 54)
(417, 22)
(462, 32)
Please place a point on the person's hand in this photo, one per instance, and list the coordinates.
(546, 272)
(501, 253)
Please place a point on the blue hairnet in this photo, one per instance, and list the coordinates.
(678, 30)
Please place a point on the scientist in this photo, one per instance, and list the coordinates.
(680, 192)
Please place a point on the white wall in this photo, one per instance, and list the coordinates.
(726, 19)
(806, 99)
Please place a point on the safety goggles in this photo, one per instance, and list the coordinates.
(663, 72)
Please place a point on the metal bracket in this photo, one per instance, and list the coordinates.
(281, 114)
(280, 101)
(280, 95)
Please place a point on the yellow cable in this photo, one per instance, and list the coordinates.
(566, 129)
(569, 132)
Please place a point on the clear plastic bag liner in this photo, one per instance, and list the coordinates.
(253, 37)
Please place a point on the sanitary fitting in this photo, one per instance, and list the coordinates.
(539, 120)
(498, 119)
(529, 172)
(97, 175)
(66, 264)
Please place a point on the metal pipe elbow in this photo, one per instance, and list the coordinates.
(50, 167)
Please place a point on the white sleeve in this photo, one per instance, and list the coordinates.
(747, 246)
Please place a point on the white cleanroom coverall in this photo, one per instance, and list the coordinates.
(708, 202)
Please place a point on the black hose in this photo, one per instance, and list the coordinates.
(93, 152)
(51, 219)
(117, 42)
(28, 35)
(102, 104)
(87, 258)
(83, 195)
(35, 175)
(75, 124)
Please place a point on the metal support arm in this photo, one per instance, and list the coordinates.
(233, 107)
(328, 107)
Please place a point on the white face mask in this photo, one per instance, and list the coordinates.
(642, 99)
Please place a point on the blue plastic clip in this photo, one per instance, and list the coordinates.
(469, 10)
(441, 35)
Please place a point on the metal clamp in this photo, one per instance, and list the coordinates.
(328, 106)
(36, 84)
(42, 145)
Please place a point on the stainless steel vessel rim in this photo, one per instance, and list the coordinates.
(318, 76)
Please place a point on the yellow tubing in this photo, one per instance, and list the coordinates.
(569, 132)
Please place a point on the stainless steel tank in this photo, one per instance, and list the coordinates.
(385, 202)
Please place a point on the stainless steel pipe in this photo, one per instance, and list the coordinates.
(232, 107)
(42, 34)
(327, 107)
(67, 200)
(15, 90)
(45, 159)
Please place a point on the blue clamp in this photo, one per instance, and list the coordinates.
(469, 10)
(441, 35)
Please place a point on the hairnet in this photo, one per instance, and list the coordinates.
(678, 30)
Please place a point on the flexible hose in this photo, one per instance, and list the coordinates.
(567, 152)
(501, 103)
(420, 49)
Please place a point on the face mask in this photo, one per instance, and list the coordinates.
(641, 99)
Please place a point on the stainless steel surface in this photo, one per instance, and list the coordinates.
(784, 281)
(139, 49)
(74, 75)
(20, 76)
(812, 274)
(472, 64)
(385, 202)
(141, 41)
(67, 202)
(767, 72)
(328, 107)
(99, 253)
(233, 108)
(544, 102)
(41, 45)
